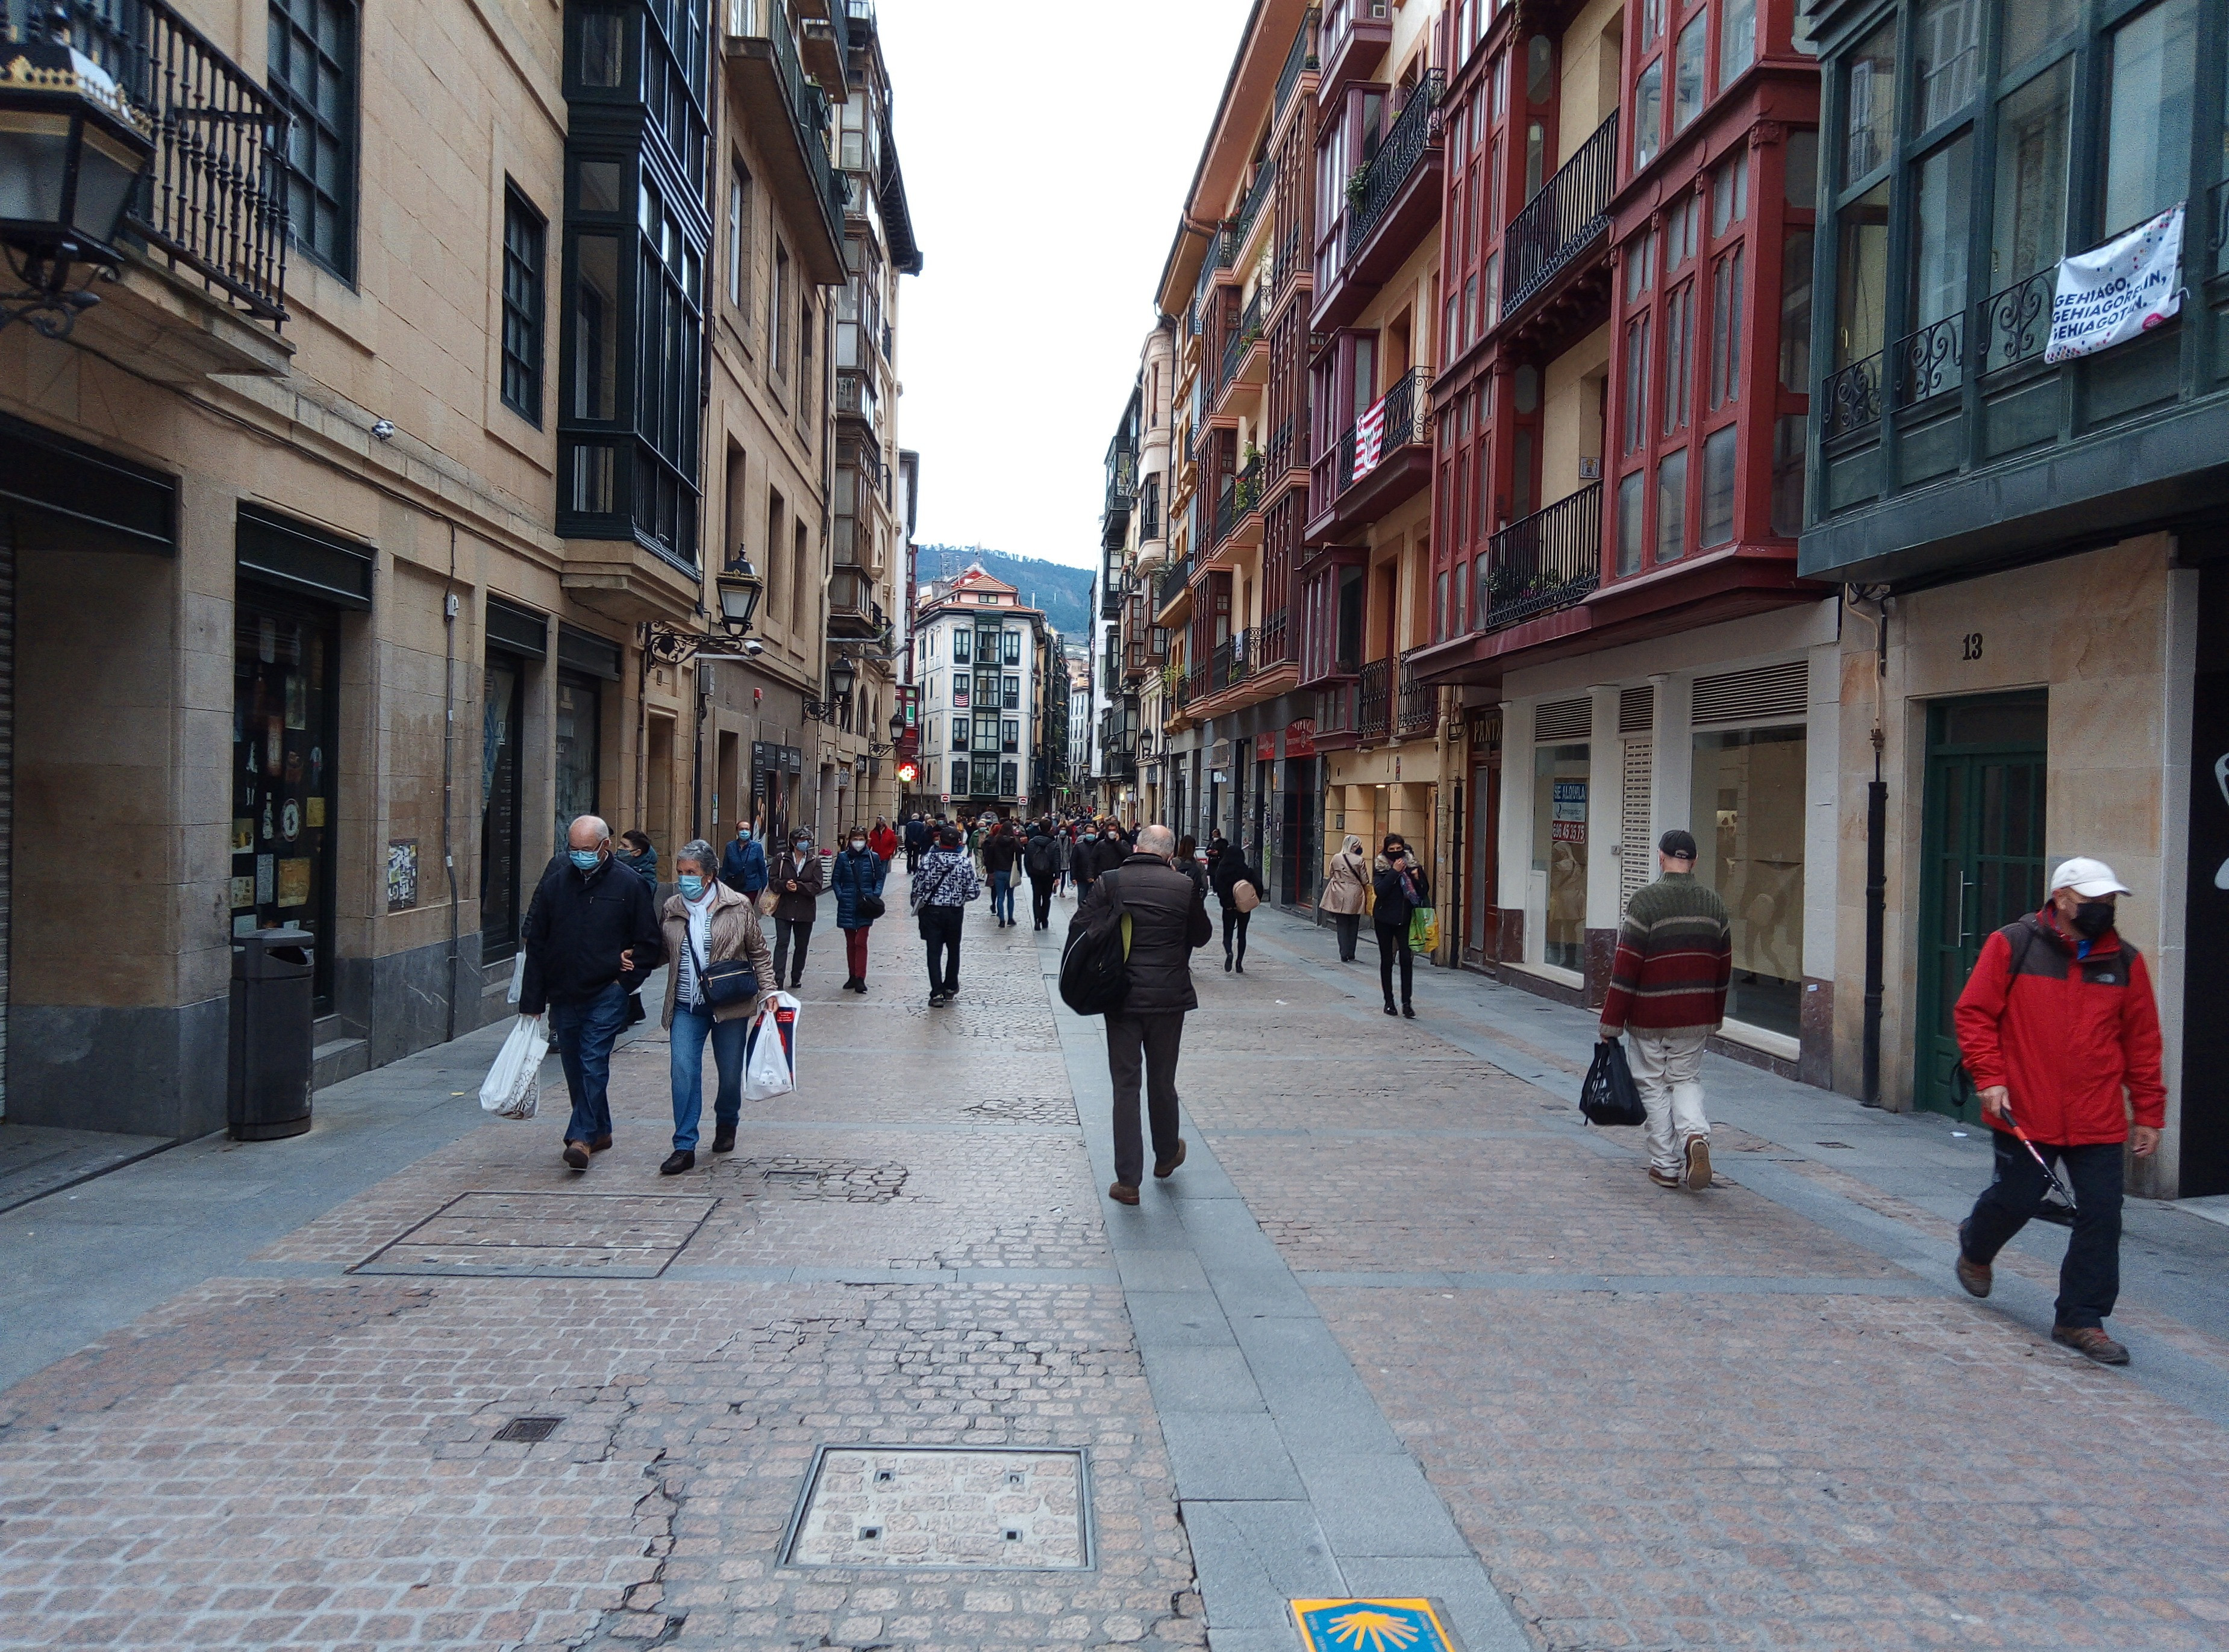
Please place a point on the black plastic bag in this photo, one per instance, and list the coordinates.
(1609, 1095)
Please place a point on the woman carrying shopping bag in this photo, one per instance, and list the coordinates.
(856, 878)
(720, 967)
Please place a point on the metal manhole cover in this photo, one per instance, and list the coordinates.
(926, 1507)
(532, 1431)
(620, 1236)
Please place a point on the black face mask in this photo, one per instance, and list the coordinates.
(2093, 917)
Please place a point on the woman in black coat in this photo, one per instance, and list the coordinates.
(1397, 888)
(1231, 869)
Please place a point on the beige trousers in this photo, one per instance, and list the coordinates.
(1668, 1071)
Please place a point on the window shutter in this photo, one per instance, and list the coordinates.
(1636, 710)
(1635, 864)
(1563, 720)
(1766, 693)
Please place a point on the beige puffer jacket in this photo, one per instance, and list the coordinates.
(1346, 886)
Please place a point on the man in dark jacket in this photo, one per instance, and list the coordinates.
(592, 938)
(1041, 860)
(1083, 862)
(917, 842)
(2061, 1037)
(1001, 850)
(743, 862)
(1168, 918)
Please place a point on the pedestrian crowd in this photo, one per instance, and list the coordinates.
(2057, 1027)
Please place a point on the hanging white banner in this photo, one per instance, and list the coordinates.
(2110, 294)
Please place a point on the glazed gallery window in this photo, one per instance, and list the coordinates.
(1687, 71)
(1736, 38)
(1748, 820)
(313, 67)
(2148, 114)
(1559, 851)
(2029, 233)
(1869, 104)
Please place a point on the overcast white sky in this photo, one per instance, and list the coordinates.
(1047, 148)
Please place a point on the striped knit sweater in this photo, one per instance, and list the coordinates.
(1674, 958)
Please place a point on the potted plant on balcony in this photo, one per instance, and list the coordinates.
(1356, 182)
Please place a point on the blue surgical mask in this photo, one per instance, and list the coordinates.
(691, 886)
(584, 859)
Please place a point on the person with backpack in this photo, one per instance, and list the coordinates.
(945, 883)
(2061, 1038)
(1166, 915)
(856, 874)
(1397, 888)
(1001, 850)
(1231, 871)
(1668, 985)
(1041, 861)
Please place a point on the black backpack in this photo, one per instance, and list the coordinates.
(1095, 975)
(1041, 857)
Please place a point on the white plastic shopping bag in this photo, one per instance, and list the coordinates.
(517, 978)
(513, 1089)
(770, 1053)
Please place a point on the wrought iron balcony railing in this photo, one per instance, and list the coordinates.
(2015, 324)
(1420, 701)
(1175, 579)
(1402, 422)
(1301, 59)
(1276, 642)
(808, 104)
(1258, 195)
(1571, 211)
(1397, 155)
(1239, 496)
(1242, 338)
(1853, 396)
(210, 200)
(1373, 697)
(1547, 561)
(1931, 361)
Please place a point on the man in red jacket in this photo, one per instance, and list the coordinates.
(2061, 1037)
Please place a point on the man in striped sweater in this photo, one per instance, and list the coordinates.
(1668, 986)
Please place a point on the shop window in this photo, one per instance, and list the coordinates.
(1559, 851)
(286, 747)
(1749, 806)
(579, 747)
(503, 720)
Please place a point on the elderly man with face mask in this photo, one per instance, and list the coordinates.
(591, 939)
(2061, 1037)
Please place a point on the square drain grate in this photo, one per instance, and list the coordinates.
(620, 1236)
(530, 1430)
(926, 1507)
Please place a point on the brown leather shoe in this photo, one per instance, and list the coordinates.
(576, 1155)
(1699, 1163)
(598, 1144)
(1122, 1192)
(2091, 1342)
(1663, 1178)
(1168, 1167)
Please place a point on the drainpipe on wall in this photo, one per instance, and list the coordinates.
(1876, 847)
(448, 767)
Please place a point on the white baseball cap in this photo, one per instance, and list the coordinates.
(2088, 878)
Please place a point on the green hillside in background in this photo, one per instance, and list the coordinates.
(1063, 592)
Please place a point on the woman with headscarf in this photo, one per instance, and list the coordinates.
(1345, 893)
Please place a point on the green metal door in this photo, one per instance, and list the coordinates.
(1982, 851)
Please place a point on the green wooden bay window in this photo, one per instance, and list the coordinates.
(636, 241)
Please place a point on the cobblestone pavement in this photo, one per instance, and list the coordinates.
(1758, 1417)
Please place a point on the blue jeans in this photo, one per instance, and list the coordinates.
(690, 1029)
(1002, 896)
(584, 1033)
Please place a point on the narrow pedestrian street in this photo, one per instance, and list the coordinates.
(1400, 1326)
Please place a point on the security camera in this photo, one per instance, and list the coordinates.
(383, 428)
(753, 647)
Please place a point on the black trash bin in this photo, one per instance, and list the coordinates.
(274, 985)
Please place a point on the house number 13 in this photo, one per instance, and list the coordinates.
(1970, 646)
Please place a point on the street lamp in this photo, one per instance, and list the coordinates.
(740, 588)
(72, 148)
(842, 673)
(897, 727)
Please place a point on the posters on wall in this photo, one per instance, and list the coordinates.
(401, 873)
